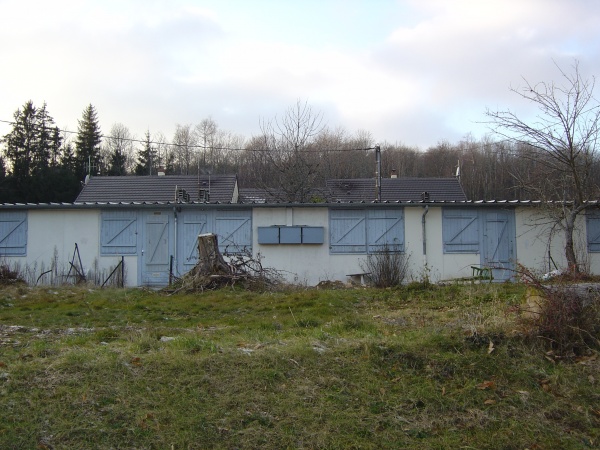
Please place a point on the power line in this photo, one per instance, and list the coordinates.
(207, 147)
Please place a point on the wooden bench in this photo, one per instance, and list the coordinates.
(482, 273)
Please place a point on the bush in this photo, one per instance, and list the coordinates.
(9, 276)
(385, 268)
(568, 319)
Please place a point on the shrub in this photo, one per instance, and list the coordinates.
(9, 276)
(565, 314)
(385, 268)
(568, 319)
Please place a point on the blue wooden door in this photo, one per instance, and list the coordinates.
(499, 243)
(156, 252)
(192, 223)
(234, 230)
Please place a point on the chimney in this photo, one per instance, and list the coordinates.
(394, 174)
(161, 171)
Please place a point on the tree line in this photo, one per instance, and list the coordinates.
(291, 156)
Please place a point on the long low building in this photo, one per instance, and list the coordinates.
(308, 243)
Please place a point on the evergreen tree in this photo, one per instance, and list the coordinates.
(147, 161)
(20, 142)
(30, 148)
(87, 143)
(117, 161)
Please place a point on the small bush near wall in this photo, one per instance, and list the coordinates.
(9, 275)
(385, 268)
(564, 313)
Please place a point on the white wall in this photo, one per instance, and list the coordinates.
(51, 230)
(313, 263)
(59, 230)
(540, 245)
(435, 263)
(301, 263)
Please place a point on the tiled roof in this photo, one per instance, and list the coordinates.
(156, 188)
(396, 189)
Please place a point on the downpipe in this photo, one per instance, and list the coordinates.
(424, 232)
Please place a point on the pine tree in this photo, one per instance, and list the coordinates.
(87, 143)
(20, 142)
(117, 161)
(29, 148)
(147, 161)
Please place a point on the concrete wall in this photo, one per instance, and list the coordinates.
(54, 233)
(541, 245)
(313, 263)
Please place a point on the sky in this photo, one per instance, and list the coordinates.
(410, 72)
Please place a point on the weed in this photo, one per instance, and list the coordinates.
(359, 368)
(385, 268)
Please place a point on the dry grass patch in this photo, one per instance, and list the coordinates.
(409, 367)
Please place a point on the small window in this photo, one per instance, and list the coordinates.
(118, 233)
(364, 231)
(13, 233)
(593, 230)
(460, 230)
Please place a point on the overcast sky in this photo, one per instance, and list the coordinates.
(412, 72)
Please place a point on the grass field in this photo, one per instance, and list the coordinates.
(422, 367)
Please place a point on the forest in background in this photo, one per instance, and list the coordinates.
(296, 151)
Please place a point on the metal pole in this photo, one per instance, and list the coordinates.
(378, 172)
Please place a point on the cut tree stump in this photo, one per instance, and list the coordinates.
(210, 260)
(213, 272)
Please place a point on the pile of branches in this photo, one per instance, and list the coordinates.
(213, 272)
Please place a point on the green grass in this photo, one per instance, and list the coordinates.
(361, 368)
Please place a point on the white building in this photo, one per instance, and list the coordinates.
(153, 232)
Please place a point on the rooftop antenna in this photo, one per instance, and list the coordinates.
(378, 173)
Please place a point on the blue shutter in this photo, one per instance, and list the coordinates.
(268, 235)
(13, 233)
(118, 233)
(290, 235)
(593, 230)
(385, 229)
(192, 224)
(347, 231)
(234, 229)
(460, 230)
(312, 235)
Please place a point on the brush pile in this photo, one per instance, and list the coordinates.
(213, 272)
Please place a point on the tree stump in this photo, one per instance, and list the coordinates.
(210, 260)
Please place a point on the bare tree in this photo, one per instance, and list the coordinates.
(287, 148)
(562, 139)
(205, 134)
(184, 143)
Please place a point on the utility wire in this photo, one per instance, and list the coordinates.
(205, 147)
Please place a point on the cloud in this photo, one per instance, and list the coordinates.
(412, 71)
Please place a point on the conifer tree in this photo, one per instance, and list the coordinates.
(147, 161)
(29, 149)
(87, 143)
